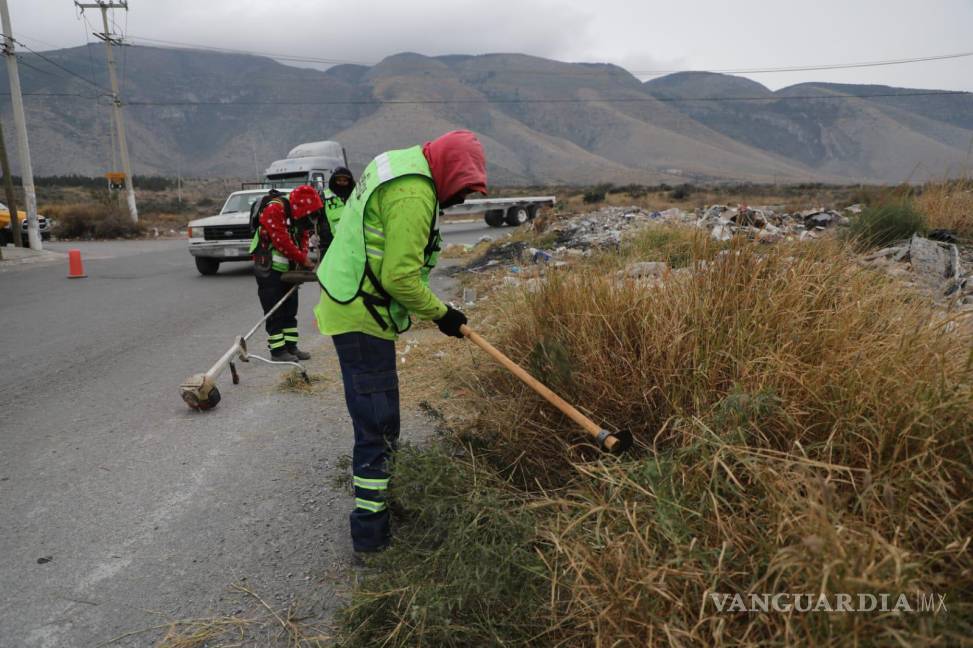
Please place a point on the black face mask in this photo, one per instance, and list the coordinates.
(458, 199)
(342, 191)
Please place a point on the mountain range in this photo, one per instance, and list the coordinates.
(201, 113)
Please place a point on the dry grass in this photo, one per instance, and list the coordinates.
(293, 382)
(265, 626)
(802, 424)
(949, 205)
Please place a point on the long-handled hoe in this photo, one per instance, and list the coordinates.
(613, 442)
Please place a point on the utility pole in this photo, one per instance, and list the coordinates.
(110, 40)
(8, 187)
(20, 123)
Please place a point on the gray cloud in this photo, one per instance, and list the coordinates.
(646, 36)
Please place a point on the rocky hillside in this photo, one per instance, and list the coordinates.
(541, 121)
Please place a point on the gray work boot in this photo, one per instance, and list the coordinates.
(301, 355)
(283, 355)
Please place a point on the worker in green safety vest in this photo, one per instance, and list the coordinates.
(375, 277)
(340, 186)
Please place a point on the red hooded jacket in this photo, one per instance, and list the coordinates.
(273, 227)
(457, 162)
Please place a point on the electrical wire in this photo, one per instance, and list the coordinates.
(637, 73)
(278, 56)
(553, 100)
(21, 61)
(58, 65)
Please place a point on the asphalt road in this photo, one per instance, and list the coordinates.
(120, 509)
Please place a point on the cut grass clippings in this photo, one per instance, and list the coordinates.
(293, 382)
(264, 627)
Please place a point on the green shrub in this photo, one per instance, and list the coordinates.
(462, 570)
(91, 221)
(682, 192)
(887, 223)
(597, 193)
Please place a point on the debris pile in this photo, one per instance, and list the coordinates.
(935, 266)
(607, 226)
(765, 223)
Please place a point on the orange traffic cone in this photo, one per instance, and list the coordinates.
(75, 267)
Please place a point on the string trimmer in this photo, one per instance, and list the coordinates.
(200, 391)
(614, 442)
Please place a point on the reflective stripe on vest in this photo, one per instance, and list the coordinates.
(342, 271)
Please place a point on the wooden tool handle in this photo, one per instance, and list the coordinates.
(590, 426)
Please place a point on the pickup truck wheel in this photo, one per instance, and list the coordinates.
(494, 218)
(532, 211)
(517, 216)
(207, 266)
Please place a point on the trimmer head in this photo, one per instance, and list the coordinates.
(200, 392)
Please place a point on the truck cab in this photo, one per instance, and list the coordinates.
(311, 163)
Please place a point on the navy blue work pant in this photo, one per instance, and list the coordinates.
(372, 395)
(282, 325)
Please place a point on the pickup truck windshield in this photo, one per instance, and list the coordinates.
(240, 202)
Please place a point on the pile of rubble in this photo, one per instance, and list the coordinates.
(934, 266)
(766, 224)
(607, 226)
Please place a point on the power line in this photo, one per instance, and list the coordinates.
(21, 61)
(58, 65)
(54, 94)
(755, 70)
(554, 100)
(226, 50)
(812, 68)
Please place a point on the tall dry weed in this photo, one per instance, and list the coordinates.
(803, 425)
(949, 205)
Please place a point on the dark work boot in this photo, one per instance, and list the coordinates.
(300, 355)
(283, 355)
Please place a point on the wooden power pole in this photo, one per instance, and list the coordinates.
(110, 39)
(23, 148)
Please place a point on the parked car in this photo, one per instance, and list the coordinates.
(44, 225)
(226, 236)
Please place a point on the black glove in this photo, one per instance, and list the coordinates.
(451, 321)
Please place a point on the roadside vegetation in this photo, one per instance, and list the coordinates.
(886, 223)
(802, 424)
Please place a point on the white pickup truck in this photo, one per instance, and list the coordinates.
(226, 236)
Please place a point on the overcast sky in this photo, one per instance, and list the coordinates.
(640, 36)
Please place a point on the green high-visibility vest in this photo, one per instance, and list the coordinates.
(357, 249)
(333, 206)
